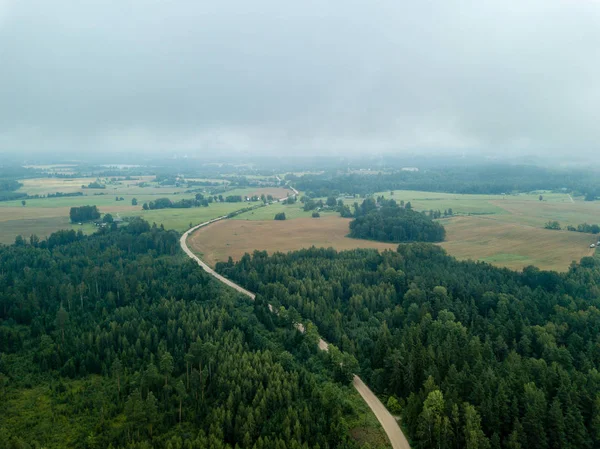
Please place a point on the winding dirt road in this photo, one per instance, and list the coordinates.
(388, 422)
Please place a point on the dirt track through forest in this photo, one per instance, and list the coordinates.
(388, 422)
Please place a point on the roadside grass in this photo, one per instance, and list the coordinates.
(364, 426)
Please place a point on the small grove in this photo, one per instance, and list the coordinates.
(385, 221)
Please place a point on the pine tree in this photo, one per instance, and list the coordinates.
(181, 395)
(474, 436)
(535, 417)
(117, 369)
(62, 317)
(434, 425)
(556, 426)
(151, 412)
(166, 366)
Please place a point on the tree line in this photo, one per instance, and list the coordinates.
(583, 227)
(166, 203)
(478, 179)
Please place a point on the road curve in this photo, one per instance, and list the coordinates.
(387, 421)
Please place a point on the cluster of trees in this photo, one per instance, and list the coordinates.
(584, 227)
(7, 190)
(94, 185)
(166, 203)
(280, 216)
(127, 344)
(481, 179)
(470, 355)
(84, 213)
(331, 203)
(434, 214)
(311, 204)
(385, 221)
(168, 180)
(554, 225)
(234, 199)
(9, 185)
(55, 195)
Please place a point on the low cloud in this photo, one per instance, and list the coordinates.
(265, 76)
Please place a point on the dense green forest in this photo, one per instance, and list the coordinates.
(473, 356)
(483, 179)
(385, 221)
(84, 213)
(166, 203)
(7, 190)
(118, 340)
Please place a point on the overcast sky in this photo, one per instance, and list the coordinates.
(197, 76)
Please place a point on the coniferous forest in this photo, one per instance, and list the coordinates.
(118, 340)
(385, 221)
(471, 355)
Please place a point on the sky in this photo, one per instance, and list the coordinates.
(313, 77)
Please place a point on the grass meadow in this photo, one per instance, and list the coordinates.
(504, 230)
(43, 216)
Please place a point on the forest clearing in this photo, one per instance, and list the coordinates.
(234, 238)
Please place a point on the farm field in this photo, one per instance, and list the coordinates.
(236, 237)
(180, 219)
(43, 216)
(43, 221)
(519, 209)
(43, 186)
(276, 192)
(502, 244)
(291, 211)
(513, 245)
(505, 231)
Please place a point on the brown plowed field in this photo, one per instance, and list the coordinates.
(235, 237)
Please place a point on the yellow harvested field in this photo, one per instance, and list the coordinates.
(503, 244)
(234, 238)
(29, 213)
(514, 245)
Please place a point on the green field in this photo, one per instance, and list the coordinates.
(180, 219)
(505, 230)
(268, 213)
(42, 216)
(499, 229)
(525, 208)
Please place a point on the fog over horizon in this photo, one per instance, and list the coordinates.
(271, 77)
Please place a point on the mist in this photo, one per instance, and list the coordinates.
(269, 77)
